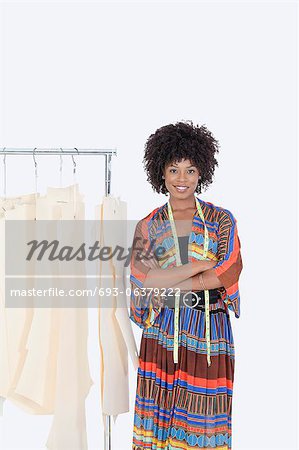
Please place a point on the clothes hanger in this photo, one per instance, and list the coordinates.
(60, 168)
(74, 178)
(35, 176)
(74, 166)
(4, 174)
(60, 176)
(4, 178)
(75, 183)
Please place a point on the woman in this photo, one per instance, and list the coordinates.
(185, 268)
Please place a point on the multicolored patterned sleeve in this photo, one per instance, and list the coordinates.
(143, 305)
(229, 264)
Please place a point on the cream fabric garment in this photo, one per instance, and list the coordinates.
(14, 323)
(115, 332)
(46, 369)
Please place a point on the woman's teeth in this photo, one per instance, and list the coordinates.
(181, 189)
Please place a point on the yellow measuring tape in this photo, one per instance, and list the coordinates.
(177, 295)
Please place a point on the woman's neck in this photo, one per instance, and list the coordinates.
(178, 204)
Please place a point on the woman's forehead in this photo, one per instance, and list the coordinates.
(182, 162)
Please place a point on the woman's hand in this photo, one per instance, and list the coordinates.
(202, 265)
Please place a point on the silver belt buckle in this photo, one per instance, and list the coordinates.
(192, 294)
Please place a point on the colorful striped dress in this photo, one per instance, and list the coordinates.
(188, 404)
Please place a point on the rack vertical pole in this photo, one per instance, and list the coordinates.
(107, 431)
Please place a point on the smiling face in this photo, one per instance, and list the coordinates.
(181, 178)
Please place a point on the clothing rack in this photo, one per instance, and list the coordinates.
(108, 153)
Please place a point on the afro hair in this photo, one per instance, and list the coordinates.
(174, 142)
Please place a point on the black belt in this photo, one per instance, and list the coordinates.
(192, 299)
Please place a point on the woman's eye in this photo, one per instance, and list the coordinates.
(190, 170)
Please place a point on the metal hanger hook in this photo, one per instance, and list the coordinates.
(61, 160)
(35, 163)
(4, 156)
(35, 169)
(60, 169)
(4, 172)
(74, 162)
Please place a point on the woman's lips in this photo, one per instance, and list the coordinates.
(181, 188)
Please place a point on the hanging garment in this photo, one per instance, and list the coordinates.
(115, 332)
(73, 381)
(185, 404)
(52, 375)
(14, 322)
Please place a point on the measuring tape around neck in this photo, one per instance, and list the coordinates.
(177, 295)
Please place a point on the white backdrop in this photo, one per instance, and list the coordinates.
(93, 74)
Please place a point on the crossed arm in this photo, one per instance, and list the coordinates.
(184, 277)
